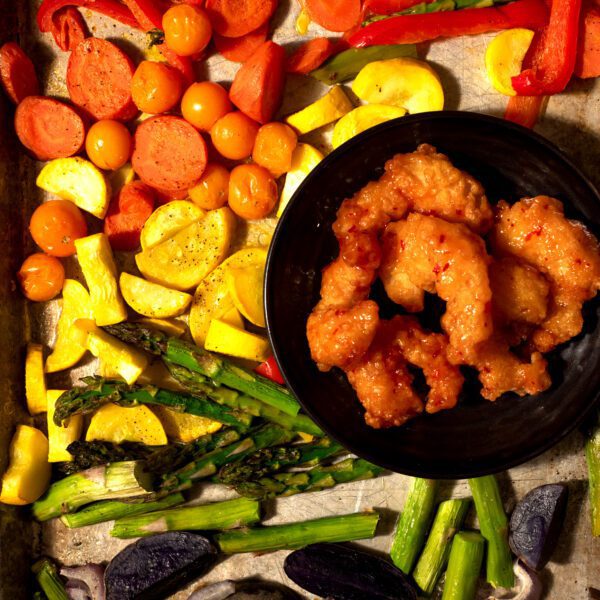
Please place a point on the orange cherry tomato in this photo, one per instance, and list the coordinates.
(233, 135)
(213, 188)
(205, 103)
(108, 144)
(155, 87)
(274, 146)
(55, 225)
(187, 29)
(252, 192)
(41, 277)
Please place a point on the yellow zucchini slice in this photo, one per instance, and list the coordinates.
(121, 177)
(35, 383)
(28, 474)
(404, 82)
(98, 266)
(69, 346)
(226, 339)
(245, 285)
(182, 261)
(112, 423)
(79, 181)
(150, 299)
(233, 317)
(157, 374)
(169, 326)
(167, 220)
(60, 437)
(182, 427)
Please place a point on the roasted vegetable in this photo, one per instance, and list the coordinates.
(49, 580)
(337, 571)
(592, 455)
(245, 285)
(167, 220)
(183, 427)
(464, 565)
(155, 567)
(226, 339)
(244, 590)
(89, 578)
(35, 383)
(60, 436)
(536, 522)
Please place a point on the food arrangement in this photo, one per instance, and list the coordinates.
(153, 177)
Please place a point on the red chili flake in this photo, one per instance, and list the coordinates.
(437, 269)
(402, 245)
(537, 231)
(442, 238)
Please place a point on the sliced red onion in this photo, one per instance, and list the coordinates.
(214, 591)
(91, 576)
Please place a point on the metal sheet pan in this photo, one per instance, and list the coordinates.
(571, 121)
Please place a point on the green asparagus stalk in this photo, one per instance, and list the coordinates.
(345, 528)
(207, 517)
(109, 510)
(49, 580)
(413, 524)
(314, 480)
(117, 480)
(207, 365)
(592, 455)
(447, 522)
(464, 566)
(243, 402)
(81, 400)
(494, 528)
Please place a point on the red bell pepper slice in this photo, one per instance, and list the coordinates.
(524, 110)
(270, 370)
(69, 28)
(412, 29)
(551, 58)
(588, 52)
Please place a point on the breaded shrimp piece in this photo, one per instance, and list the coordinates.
(383, 383)
(536, 231)
(427, 254)
(343, 285)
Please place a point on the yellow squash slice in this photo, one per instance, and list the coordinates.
(112, 423)
(69, 347)
(121, 177)
(233, 317)
(183, 427)
(245, 285)
(28, 473)
(167, 220)
(158, 375)
(35, 383)
(212, 299)
(404, 82)
(79, 181)
(182, 261)
(60, 437)
(150, 299)
(169, 326)
(97, 263)
(226, 339)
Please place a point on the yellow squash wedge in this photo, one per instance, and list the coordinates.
(169, 326)
(115, 356)
(183, 427)
(226, 339)
(150, 299)
(60, 437)
(325, 110)
(112, 423)
(35, 383)
(304, 159)
(158, 375)
(28, 474)
(182, 261)
(233, 317)
(361, 119)
(404, 82)
(212, 299)
(69, 346)
(79, 181)
(245, 285)
(98, 265)
(121, 177)
(167, 220)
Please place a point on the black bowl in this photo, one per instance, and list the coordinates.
(477, 437)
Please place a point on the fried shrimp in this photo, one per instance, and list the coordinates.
(427, 254)
(536, 231)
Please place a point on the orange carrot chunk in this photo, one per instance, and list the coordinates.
(235, 18)
(587, 64)
(242, 48)
(310, 56)
(334, 15)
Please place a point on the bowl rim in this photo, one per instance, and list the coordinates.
(268, 290)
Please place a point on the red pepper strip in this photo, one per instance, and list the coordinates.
(270, 370)
(69, 28)
(524, 110)
(388, 7)
(554, 52)
(110, 8)
(412, 29)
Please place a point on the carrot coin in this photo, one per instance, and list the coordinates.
(213, 188)
(41, 277)
(233, 135)
(240, 49)
(310, 56)
(235, 18)
(204, 103)
(274, 146)
(334, 15)
(252, 192)
(108, 144)
(17, 73)
(156, 87)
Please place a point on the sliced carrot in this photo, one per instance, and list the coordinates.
(17, 73)
(69, 28)
(588, 52)
(235, 18)
(257, 89)
(334, 15)
(524, 110)
(310, 56)
(240, 49)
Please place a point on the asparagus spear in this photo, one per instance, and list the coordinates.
(494, 528)
(49, 580)
(343, 528)
(413, 524)
(98, 391)
(447, 522)
(318, 478)
(206, 517)
(117, 480)
(592, 455)
(99, 512)
(464, 566)
(207, 365)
